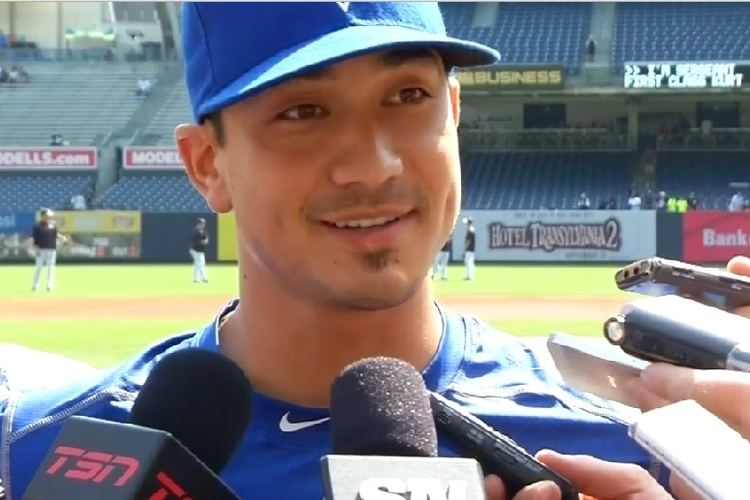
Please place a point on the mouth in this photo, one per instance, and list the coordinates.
(371, 232)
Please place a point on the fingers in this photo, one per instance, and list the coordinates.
(681, 490)
(724, 393)
(602, 479)
(739, 265)
(544, 490)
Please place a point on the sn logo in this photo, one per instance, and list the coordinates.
(387, 488)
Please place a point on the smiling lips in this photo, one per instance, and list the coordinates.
(369, 233)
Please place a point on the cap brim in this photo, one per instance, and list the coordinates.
(342, 44)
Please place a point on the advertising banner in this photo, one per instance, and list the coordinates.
(15, 228)
(49, 158)
(559, 235)
(526, 77)
(88, 235)
(686, 75)
(715, 236)
(151, 158)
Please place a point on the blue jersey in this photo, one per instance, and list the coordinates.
(491, 374)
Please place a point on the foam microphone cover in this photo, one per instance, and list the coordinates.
(380, 406)
(200, 397)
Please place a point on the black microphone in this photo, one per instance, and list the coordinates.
(384, 441)
(185, 425)
(676, 330)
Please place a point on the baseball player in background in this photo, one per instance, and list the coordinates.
(45, 238)
(469, 244)
(441, 262)
(198, 251)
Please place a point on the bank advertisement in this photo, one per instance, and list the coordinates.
(559, 235)
(715, 236)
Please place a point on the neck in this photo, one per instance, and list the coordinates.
(292, 348)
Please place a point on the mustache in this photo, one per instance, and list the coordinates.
(358, 196)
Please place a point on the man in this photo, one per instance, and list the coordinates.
(199, 240)
(44, 239)
(443, 256)
(329, 129)
(470, 241)
(583, 202)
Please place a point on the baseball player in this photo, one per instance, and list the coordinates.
(470, 241)
(198, 251)
(441, 262)
(45, 238)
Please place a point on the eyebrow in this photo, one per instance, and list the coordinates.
(390, 59)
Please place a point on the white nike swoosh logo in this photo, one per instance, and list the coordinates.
(286, 426)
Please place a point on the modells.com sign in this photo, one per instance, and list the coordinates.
(151, 158)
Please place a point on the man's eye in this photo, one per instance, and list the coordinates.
(410, 95)
(302, 112)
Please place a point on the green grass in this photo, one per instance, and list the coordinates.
(103, 341)
(543, 327)
(99, 343)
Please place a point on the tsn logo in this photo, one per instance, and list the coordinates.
(96, 467)
(413, 488)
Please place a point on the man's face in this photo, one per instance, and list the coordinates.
(345, 182)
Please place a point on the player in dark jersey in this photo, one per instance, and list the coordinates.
(470, 242)
(198, 243)
(45, 237)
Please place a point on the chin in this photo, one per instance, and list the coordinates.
(380, 292)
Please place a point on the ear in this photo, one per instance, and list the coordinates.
(198, 148)
(454, 87)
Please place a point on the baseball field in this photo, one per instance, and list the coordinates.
(101, 314)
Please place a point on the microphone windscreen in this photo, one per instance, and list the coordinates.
(200, 397)
(380, 406)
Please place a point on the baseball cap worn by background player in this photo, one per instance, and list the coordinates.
(234, 50)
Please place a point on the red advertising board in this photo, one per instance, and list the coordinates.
(151, 158)
(715, 236)
(48, 158)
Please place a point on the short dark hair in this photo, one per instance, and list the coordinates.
(214, 118)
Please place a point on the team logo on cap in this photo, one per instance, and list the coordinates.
(344, 6)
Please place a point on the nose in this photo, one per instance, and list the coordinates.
(368, 157)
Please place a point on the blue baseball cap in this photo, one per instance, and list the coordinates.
(234, 50)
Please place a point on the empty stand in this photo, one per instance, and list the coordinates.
(27, 192)
(80, 101)
(153, 192)
(707, 173)
(680, 31)
(175, 110)
(527, 32)
(512, 181)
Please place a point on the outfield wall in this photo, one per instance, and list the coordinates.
(502, 236)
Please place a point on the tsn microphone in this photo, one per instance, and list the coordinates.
(184, 427)
(384, 441)
(683, 332)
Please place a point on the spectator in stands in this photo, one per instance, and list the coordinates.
(672, 204)
(612, 203)
(634, 200)
(590, 48)
(583, 202)
(58, 140)
(648, 200)
(145, 85)
(736, 203)
(78, 202)
(198, 244)
(4, 75)
(18, 74)
(45, 238)
(661, 200)
(682, 204)
(693, 201)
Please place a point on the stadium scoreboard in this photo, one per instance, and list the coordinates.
(686, 75)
